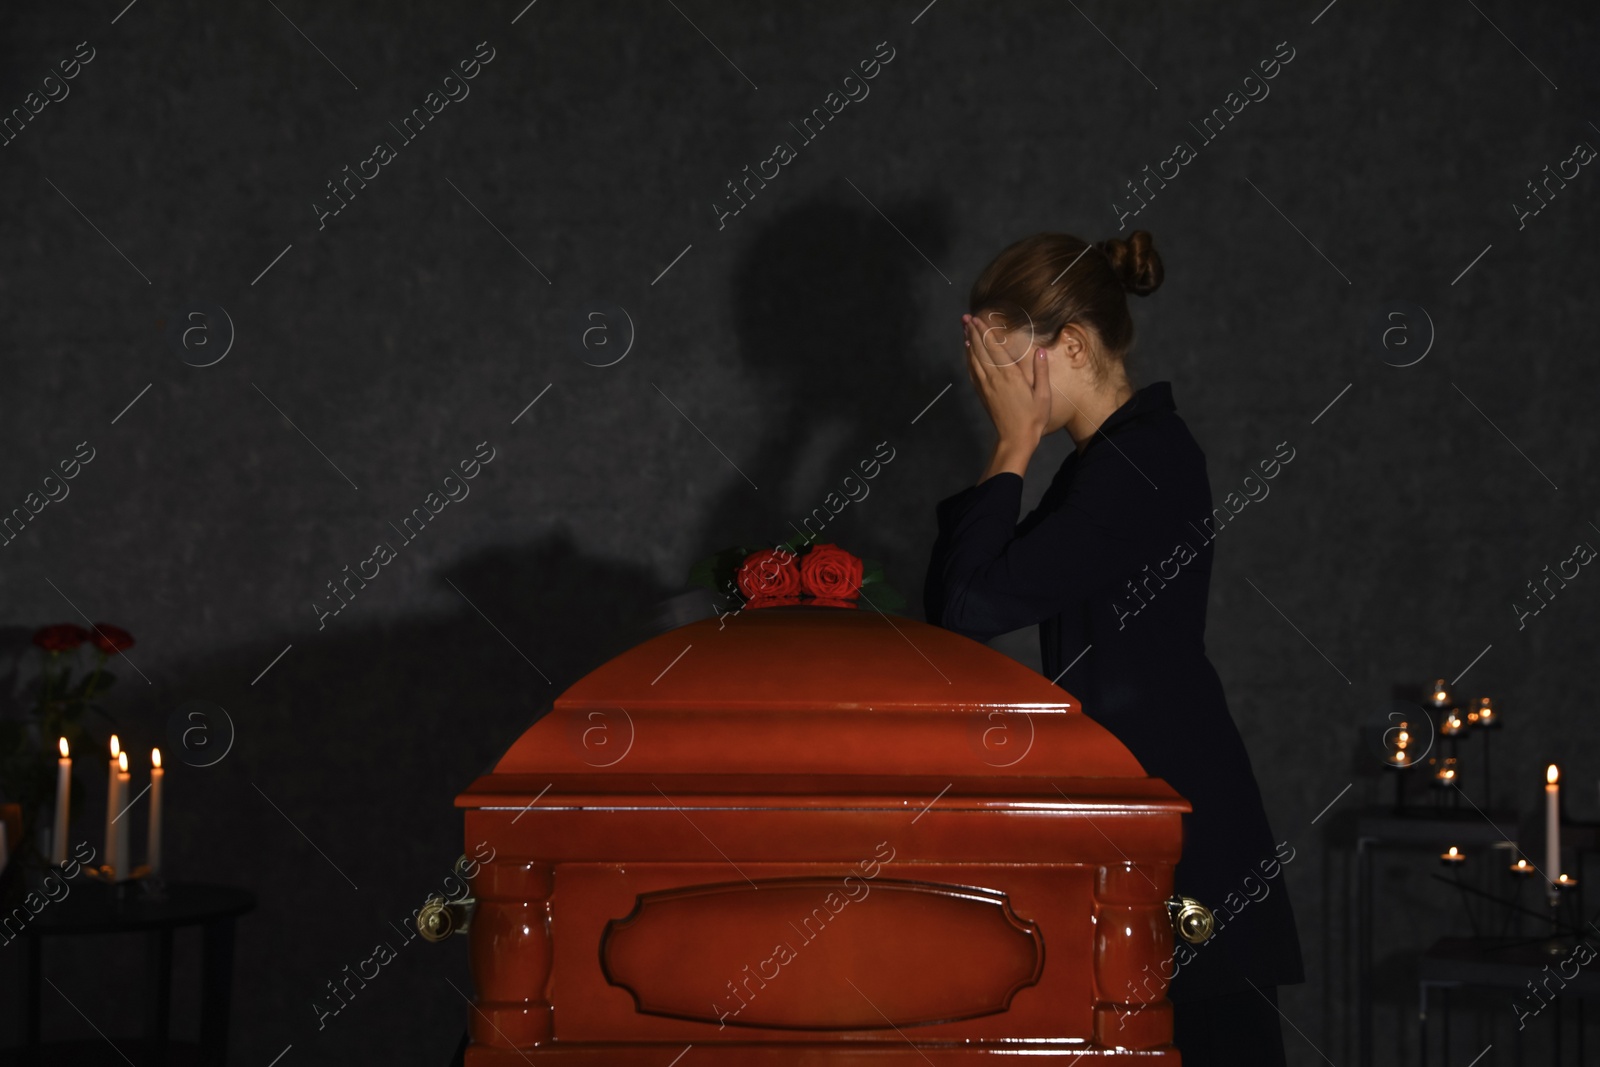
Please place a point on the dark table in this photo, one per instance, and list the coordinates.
(95, 908)
(1504, 962)
(1428, 827)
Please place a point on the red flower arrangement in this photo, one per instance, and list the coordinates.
(110, 639)
(822, 575)
(62, 637)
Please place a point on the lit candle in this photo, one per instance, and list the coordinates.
(1402, 737)
(58, 842)
(1486, 716)
(1445, 775)
(1566, 881)
(1552, 825)
(1522, 866)
(1453, 857)
(1452, 724)
(154, 837)
(111, 803)
(118, 844)
(1441, 694)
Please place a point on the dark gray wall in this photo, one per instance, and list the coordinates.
(819, 321)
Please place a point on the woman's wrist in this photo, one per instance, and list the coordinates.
(1012, 456)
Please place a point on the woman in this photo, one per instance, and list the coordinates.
(1114, 565)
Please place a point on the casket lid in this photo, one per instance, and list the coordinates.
(805, 658)
(805, 690)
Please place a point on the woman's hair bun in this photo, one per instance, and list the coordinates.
(1135, 261)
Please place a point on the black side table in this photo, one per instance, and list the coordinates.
(94, 908)
(1428, 827)
(1505, 962)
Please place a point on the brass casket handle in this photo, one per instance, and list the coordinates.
(440, 917)
(1191, 919)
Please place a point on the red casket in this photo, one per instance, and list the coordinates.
(818, 835)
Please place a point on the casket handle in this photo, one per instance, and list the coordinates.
(440, 917)
(1191, 919)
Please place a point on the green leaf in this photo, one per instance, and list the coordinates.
(716, 572)
(884, 597)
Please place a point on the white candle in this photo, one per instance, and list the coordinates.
(121, 866)
(58, 842)
(1552, 828)
(111, 803)
(154, 836)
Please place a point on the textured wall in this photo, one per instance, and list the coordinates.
(374, 348)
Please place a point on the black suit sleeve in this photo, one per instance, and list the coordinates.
(986, 578)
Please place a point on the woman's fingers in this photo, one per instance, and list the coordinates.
(1006, 346)
(987, 348)
(977, 358)
(1041, 384)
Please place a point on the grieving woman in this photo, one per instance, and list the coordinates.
(1114, 566)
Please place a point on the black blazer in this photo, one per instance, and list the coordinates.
(1115, 567)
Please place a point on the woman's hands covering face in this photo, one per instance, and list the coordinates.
(1011, 376)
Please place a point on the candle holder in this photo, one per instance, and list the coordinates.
(1563, 883)
(106, 874)
(141, 883)
(1439, 695)
(1451, 724)
(1486, 717)
(1445, 772)
(1400, 740)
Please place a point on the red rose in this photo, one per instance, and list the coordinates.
(62, 637)
(829, 571)
(769, 573)
(110, 639)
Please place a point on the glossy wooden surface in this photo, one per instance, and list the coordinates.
(830, 839)
(801, 690)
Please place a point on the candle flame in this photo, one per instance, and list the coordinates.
(155, 757)
(64, 752)
(122, 762)
(115, 747)
(1454, 852)
(1522, 865)
(1552, 774)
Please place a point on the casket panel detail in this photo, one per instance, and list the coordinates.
(679, 953)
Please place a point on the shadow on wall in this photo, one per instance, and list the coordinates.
(830, 327)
